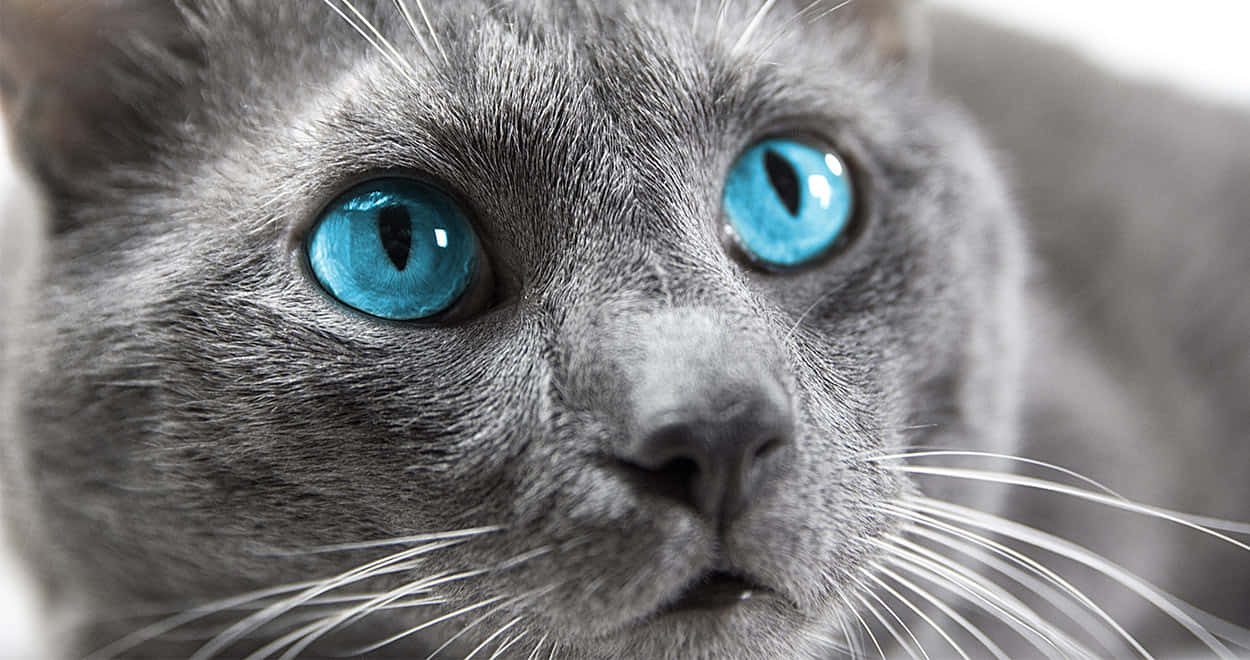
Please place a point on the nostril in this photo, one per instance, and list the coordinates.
(769, 447)
(716, 465)
(673, 479)
(679, 470)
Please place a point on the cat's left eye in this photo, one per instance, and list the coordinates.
(395, 248)
(786, 203)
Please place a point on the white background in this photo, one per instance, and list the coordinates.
(1202, 45)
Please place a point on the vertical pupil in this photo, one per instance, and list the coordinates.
(395, 230)
(785, 181)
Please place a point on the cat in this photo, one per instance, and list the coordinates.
(741, 337)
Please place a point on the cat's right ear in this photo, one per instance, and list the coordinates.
(893, 30)
(88, 84)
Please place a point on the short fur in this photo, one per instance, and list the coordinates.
(185, 412)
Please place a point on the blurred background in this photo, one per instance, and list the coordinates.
(1200, 45)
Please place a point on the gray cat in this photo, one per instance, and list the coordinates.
(606, 329)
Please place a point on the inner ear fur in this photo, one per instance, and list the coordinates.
(84, 83)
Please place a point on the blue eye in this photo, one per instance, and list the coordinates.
(394, 248)
(787, 203)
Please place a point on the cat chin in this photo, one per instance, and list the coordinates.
(759, 627)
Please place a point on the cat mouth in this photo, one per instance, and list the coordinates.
(715, 591)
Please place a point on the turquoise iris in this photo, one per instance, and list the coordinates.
(786, 202)
(395, 248)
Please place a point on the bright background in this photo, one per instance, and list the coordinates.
(1201, 45)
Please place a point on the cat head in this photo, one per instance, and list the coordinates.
(627, 408)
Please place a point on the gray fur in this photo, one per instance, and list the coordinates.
(184, 407)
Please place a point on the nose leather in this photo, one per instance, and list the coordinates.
(717, 464)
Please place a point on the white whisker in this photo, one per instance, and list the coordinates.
(720, 18)
(853, 645)
(830, 11)
(425, 16)
(412, 26)
(477, 649)
(537, 647)
(432, 622)
(473, 624)
(864, 589)
(917, 452)
(1050, 486)
(1076, 553)
(402, 540)
(165, 626)
(381, 38)
(392, 58)
(951, 614)
(232, 634)
(507, 644)
(977, 589)
(916, 610)
(346, 617)
(864, 624)
(754, 25)
(1053, 596)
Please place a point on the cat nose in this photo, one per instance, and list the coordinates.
(717, 460)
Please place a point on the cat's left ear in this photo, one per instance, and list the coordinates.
(87, 84)
(894, 30)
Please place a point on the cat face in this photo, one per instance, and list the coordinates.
(627, 426)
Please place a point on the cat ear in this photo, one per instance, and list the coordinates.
(84, 83)
(894, 29)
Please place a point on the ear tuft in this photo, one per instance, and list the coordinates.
(82, 82)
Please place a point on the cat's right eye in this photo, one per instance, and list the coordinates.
(395, 248)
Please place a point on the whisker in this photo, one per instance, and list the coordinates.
(977, 589)
(473, 624)
(425, 16)
(720, 18)
(232, 634)
(864, 624)
(1079, 554)
(392, 58)
(347, 617)
(165, 626)
(412, 26)
(537, 647)
(951, 614)
(830, 11)
(402, 540)
(918, 612)
(508, 644)
(864, 589)
(243, 601)
(828, 642)
(754, 25)
(918, 452)
(505, 628)
(854, 645)
(432, 622)
(1050, 486)
(1052, 596)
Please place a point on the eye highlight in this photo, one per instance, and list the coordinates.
(787, 203)
(395, 248)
